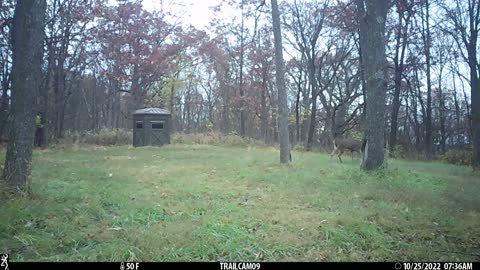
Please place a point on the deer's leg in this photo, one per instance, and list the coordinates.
(333, 153)
(339, 156)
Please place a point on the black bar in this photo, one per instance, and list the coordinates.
(223, 265)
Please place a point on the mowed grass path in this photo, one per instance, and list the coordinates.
(216, 203)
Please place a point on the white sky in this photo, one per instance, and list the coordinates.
(199, 14)
(195, 12)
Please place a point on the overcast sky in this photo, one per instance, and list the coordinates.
(195, 12)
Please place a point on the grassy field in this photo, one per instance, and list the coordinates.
(217, 203)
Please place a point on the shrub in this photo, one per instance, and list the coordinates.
(400, 151)
(100, 137)
(458, 157)
(406, 151)
(299, 147)
(214, 138)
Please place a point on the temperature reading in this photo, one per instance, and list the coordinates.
(132, 266)
(129, 266)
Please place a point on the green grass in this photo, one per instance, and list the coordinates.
(211, 203)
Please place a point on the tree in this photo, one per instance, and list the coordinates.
(27, 52)
(242, 92)
(261, 56)
(137, 49)
(306, 24)
(404, 12)
(282, 91)
(372, 16)
(6, 12)
(426, 45)
(68, 34)
(464, 26)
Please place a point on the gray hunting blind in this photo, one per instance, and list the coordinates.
(151, 126)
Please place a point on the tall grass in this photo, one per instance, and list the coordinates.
(214, 138)
(105, 137)
(110, 137)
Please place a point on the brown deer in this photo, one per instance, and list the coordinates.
(342, 145)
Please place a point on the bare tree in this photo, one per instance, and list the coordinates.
(242, 92)
(27, 52)
(6, 12)
(282, 91)
(426, 45)
(464, 19)
(404, 12)
(306, 24)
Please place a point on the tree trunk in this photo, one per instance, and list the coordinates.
(264, 111)
(305, 114)
(399, 59)
(225, 104)
(458, 138)
(372, 19)
(415, 118)
(418, 95)
(337, 119)
(475, 94)
(172, 103)
(297, 116)
(46, 107)
(282, 91)
(441, 114)
(428, 124)
(242, 102)
(313, 112)
(475, 107)
(4, 110)
(311, 127)
(27, 48)
(406, 123)
(474, 81)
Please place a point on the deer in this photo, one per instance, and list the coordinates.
(342, 145)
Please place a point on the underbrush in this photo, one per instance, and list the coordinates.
(106, 137)
(458, 157)
(110, 137)
(214, 138)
